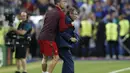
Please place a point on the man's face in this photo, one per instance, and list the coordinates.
(74, 15)
(23, 15)
(63, 4)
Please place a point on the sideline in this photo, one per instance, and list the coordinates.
(13, 68)
(120, 70)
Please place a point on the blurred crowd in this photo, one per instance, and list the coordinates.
(104, 28)
(103, 25)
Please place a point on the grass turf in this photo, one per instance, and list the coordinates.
(80, 67)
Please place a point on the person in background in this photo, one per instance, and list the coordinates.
(126, 11)
(124, 30)
(85, 34)
(100, 37)
(108, 7)
(29, 6)
(85, 9)
(97, 9)
(112, 38)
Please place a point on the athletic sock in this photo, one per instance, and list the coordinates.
(43, 72)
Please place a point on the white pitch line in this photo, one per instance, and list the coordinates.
(121, 70)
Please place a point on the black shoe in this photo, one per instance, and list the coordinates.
(17, 72)
(24, 72)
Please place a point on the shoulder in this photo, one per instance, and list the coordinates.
(68, 19)
(28, 24)
(53, 11)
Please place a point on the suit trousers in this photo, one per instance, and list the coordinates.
(68, 63)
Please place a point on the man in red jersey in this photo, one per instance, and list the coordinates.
(54, 19)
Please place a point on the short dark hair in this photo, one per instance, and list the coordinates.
(57, 1)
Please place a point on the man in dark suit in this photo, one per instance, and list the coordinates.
(65, 39)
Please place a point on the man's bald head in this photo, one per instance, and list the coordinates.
(24, 15)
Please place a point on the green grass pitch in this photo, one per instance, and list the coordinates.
(80, 67)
